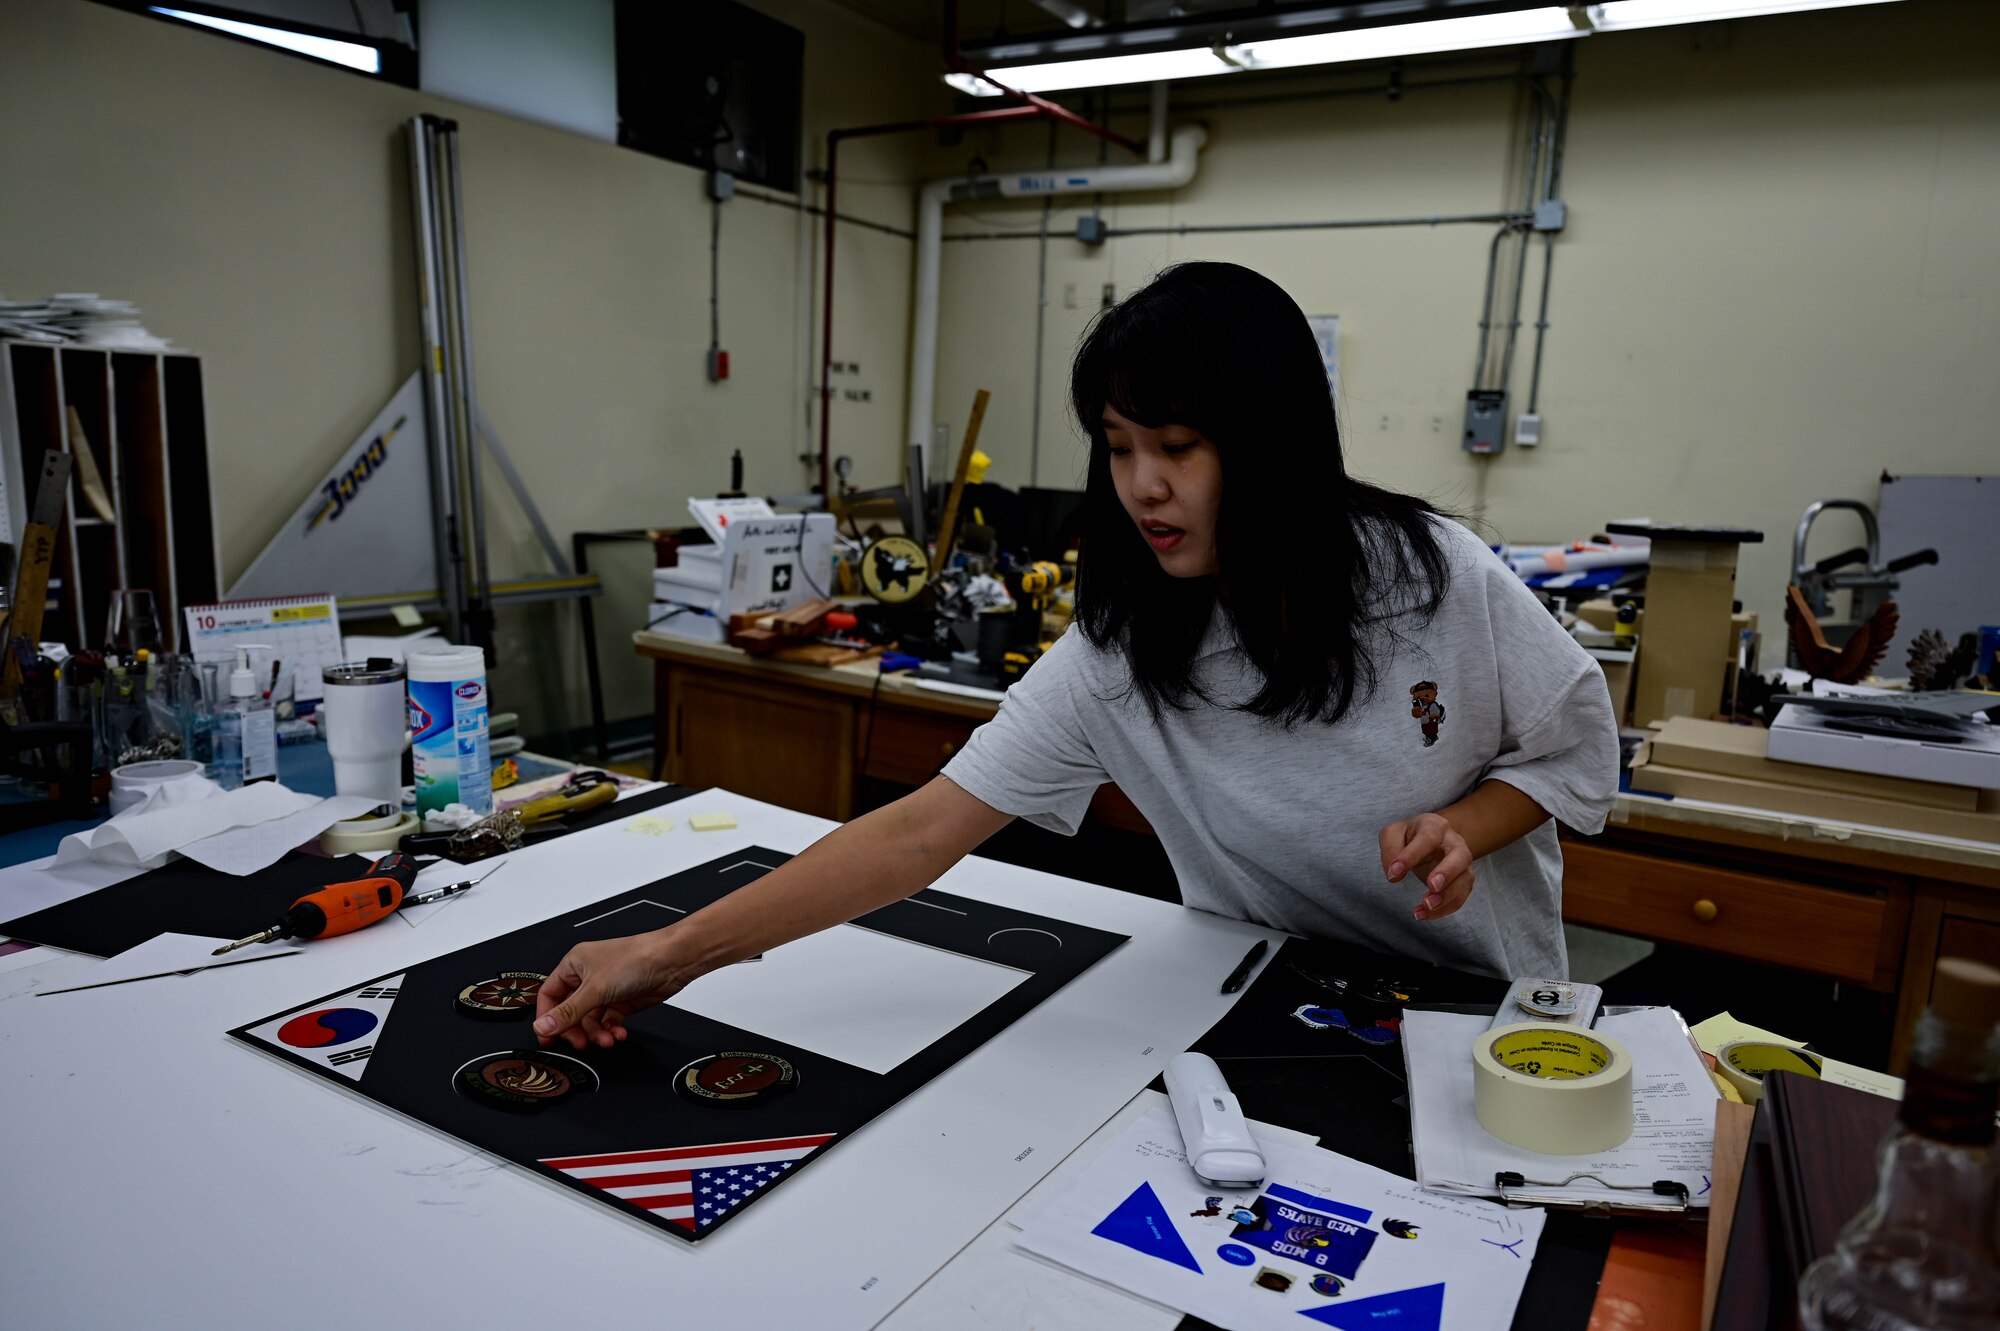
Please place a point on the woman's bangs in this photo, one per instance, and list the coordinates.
(1151, 379)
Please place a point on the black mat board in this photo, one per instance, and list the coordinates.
(407, 1055)
(185, 897)
(1352, 1095)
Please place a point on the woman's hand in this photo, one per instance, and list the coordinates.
(598, 985)
(1432, 848)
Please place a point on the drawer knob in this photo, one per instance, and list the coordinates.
(949, 748)
(1705, 910)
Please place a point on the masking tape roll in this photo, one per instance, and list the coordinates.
(1553, 1089)
(1745, 1063)
(366, 835)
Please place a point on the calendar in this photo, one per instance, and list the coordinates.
(301, 633)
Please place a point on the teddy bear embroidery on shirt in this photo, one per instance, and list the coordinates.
(1426, 708)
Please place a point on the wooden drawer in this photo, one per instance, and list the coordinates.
(1846, 935)
(773, 743)
(909, 747)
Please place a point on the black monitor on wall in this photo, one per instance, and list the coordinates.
(714, 84)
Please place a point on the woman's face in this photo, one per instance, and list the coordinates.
(1170, 481)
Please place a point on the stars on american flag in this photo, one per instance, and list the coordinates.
(722, 1191)
(691, 1187)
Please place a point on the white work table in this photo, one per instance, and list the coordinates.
(162, 1174)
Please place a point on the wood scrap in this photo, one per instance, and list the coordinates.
(805, 620)
(821, 654)
(1853, 660)
(947, 525)
(88, 478)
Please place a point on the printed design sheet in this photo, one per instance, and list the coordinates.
(1323, 1241)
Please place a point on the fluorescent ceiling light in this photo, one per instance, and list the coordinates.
(1659, 13)
(354, 55)
(1096, 73)
(1543, 23)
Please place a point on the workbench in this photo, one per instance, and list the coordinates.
(217, 1174)
(1866, 907)
(164, 1174)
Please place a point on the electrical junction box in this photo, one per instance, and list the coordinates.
(1528, 429)
(1551, 215)
(1485, 420)
(1091, 230)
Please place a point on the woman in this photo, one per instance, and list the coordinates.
(1337, 708)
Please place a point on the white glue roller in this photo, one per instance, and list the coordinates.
(1218, 1141)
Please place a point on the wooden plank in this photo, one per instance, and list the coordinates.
(948, 525)
(1650, 1279)
(1732, 1145)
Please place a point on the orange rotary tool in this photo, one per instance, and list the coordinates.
(341, 908)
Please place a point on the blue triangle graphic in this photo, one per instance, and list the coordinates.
(1141, 1223)
(1420, 1309)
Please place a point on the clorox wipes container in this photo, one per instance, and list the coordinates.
(448, 727)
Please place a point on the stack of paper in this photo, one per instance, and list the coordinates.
(1673, 1113)
(78, 317)
(1324, 1237)
(687, 598)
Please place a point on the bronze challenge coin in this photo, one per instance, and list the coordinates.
(523, 1079)
(508, 995)
(735, 1079)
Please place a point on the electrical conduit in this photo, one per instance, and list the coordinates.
(1173, 173)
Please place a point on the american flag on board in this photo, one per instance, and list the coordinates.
(691, 1186)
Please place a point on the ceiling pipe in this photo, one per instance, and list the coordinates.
(834, 139)
(1175, 171)
(1031, 107)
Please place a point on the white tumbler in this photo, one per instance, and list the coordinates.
(367, 726)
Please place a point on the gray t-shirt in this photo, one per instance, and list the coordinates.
(1281, 826)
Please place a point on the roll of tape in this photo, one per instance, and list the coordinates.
(132, 783)
(1745, 1063)
(366, 835)
(1552, 1089)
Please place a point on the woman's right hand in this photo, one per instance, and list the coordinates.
(597, 986)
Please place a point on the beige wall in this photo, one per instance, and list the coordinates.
(256, 207)
(1781, 274)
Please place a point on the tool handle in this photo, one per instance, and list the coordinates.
(341, 908)
(1912, 560)
(1858, 555)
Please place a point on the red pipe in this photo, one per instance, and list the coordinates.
(1031, 108)
(833, 140)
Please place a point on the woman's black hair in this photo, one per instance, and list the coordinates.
(1315, 566)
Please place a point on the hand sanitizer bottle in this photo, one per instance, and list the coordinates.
(246, 731)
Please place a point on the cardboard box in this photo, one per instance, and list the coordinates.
(1678, 659)
(1800, 735)
(1725, 750)
(1980, 825)
(1617, 665)
(1603, 614)
(1690, 595)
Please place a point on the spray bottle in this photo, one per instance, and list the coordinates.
(246, 730)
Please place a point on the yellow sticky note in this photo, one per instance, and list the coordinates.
(406, 616)
(647, 825)
(1722, 1029)
(711, 822)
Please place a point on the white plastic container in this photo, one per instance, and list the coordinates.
(365, 712)
(449, 727)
